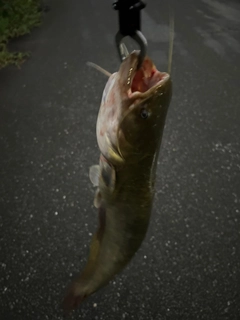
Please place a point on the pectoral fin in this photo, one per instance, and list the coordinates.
(94, 173)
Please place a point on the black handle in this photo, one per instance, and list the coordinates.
(129, 15)
(130, 25)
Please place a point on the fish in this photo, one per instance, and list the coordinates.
(129, 132)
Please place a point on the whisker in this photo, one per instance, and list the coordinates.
(97, 67)
(171, 40)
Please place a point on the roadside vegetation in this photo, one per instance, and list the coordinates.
(17, 18)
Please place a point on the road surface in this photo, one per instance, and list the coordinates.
(188, 266)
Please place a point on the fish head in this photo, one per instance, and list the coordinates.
(133, 111)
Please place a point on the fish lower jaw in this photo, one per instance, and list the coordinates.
(158, 80)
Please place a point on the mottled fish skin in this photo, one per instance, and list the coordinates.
(129, 142)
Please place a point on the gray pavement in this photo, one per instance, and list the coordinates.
(188, 266)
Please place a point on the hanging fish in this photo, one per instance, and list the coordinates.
(129, 131)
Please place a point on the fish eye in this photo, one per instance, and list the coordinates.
(144, 114)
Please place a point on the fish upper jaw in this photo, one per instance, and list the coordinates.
(141, 83)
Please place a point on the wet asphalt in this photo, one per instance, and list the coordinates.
(188, 266)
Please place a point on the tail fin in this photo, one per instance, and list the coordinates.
(72, 300)
(80, 288)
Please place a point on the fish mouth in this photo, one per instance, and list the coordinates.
(146, 79)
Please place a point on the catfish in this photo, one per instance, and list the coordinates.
(129, 132)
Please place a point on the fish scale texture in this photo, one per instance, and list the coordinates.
(188, 265)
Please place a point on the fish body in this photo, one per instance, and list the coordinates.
(129, 132)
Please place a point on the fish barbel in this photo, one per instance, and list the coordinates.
(129, 132)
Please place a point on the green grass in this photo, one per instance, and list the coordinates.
(17, 17)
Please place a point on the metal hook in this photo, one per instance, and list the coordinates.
(139, 38)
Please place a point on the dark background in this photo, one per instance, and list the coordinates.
(188, 266)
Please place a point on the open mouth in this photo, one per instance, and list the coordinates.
(145, 78)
